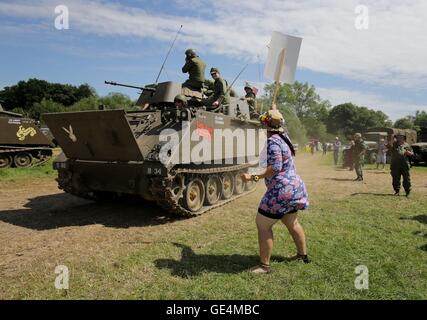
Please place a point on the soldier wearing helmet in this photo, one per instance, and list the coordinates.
(250, 98)
(180, 101)
(400, 164)
(195, 67)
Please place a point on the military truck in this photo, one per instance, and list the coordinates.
(373, 136)
(188, 160)
(22, 144)
(420, 148)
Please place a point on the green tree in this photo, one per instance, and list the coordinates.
(85, 104)
(348, 118)
(117, 101)
(306, 104)
(26, 93)
(45, 106)
(296, 130)
(420, 119)
(405, 123)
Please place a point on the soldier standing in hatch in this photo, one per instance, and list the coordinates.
(250, 97)
(400, 166)
(221, 95)
(359, 151)
(195, 67)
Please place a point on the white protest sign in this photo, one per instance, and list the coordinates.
(282, 57)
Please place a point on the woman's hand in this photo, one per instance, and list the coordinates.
(246, 177)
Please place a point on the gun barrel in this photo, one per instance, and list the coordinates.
(112, 83)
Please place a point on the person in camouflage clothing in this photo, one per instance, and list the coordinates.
(221, 94)
(400, 164)
(250, 98)
(359, 151)
(195, 67)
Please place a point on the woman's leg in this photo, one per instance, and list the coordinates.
(297, 232)
(265, 237)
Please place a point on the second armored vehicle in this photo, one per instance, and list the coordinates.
(22, 144)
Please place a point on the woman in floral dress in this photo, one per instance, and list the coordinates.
(286, 193)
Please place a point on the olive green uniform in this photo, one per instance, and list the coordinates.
(195, 67)
(220, 93)
(359, 157)
(400, 166)
(251, 99)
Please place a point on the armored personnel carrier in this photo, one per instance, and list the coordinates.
(22, 144)
(188, 159)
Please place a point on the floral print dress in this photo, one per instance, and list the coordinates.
(286, 191)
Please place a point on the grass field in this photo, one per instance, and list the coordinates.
(44, 171)
(136, 251)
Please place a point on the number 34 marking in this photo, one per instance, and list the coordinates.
(155, 171)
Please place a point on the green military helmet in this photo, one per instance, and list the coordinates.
(180, 97)
(190, 53)
(214, 70)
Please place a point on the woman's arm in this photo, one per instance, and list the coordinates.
(268, 173)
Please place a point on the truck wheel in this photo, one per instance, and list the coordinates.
(5, 161)
(22, 160)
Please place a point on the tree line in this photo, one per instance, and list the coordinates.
(307, 115)
(310, 117)
(34, 97)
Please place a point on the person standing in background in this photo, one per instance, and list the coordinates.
(382, 154)
(337, 147)
(359, 156)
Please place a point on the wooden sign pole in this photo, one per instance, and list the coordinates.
(279, 72)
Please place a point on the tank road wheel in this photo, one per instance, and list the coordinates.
(22, 160)
(5, 161)
(213, 190)
(177, 187)
(195, 195)
(239, 184)
(227, 186)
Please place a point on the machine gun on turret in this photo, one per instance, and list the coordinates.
(112, 83)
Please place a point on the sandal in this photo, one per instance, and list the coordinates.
(261, 268)
(302, 257)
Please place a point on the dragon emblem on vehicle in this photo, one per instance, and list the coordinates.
(22, 133)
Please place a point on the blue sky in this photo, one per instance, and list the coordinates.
(382, 67)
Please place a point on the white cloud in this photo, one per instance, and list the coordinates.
(391, 52)
(394, 110)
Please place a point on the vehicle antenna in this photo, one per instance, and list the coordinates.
(167, 55)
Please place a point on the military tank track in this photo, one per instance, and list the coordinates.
(188, 192)
(23, 157)
(191, 192)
